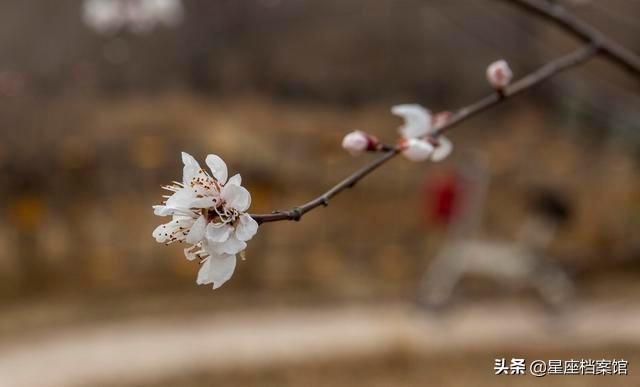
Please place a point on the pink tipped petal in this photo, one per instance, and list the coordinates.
(218, 168)
(247, 227)
(236, 197)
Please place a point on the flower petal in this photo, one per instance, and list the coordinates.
(222, 268)
(417, 120)
(247, 227)
(196, 234)
(191, 252)
(230, 246)
(181, 199)
(160, 234)
(218, 168)
(217, 269)
(206, 202)
(203, 273)
(218, 233)
(443, 149)
(164, 232)
(163, 210)
(191, 168)
(417, 150)
(185, 199)
(236, 197)
(235, 180)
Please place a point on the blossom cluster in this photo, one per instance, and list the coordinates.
(208, 212)
(139, 16)
(420, 139)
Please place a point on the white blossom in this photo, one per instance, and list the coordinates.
(208, 212)
(417, 150)
(499, 74)
(420, 125)
(139, 16)
(417, 120)
(358, 142)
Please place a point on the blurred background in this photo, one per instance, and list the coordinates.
(523, 243)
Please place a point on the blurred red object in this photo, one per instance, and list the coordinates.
(443, 198)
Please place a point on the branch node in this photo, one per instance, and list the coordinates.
(296, 214)
(325, 201)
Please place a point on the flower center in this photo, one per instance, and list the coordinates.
(220, 214)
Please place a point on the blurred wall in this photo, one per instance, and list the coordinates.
(92, 125)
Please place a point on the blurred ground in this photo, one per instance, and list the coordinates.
(403, 369)
(353, 344)
(191, 338)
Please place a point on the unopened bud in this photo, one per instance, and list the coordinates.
(416, 150)
(358, 142)
(499, 74)
(441, 119)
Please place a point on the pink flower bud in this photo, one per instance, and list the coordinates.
(441, 119)
(416, 150)
(499, 74)
(358, 142)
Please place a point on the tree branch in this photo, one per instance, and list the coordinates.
(559, 15)
(323, 200)
(545, 72)
(570, 60)
(597, 43)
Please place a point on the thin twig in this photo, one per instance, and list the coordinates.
(573, 59)
(597, 43)
(323, 200)
(559, 15)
